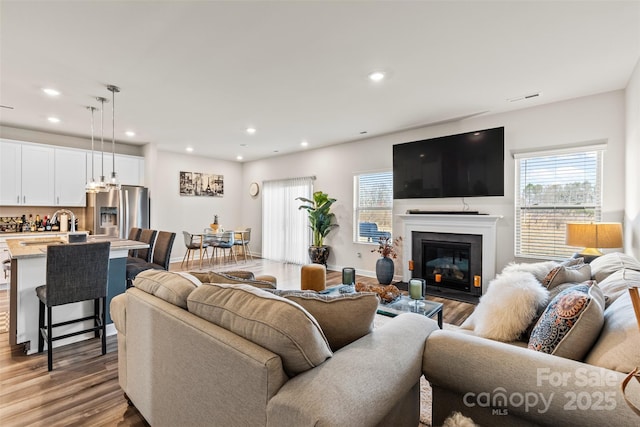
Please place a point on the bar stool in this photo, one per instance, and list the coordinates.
(75, 272)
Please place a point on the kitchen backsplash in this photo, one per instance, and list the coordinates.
(18, 211)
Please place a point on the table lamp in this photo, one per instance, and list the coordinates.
(592, 236)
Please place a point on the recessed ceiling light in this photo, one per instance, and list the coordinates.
(243, 145)
(53, 119)
(304, 143)
(238, 157)
(251, 130)
(363, 132)
(376, 76)
(130, 133)
(189, 149)
(50, 92)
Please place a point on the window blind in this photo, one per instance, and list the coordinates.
(373, 204)
(551, 190)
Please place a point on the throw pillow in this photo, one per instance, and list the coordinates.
(508, 306)
(571, 323)
(567, 274)
(275, 323)
(169, 286)
(213, 277)
(617, 284)
(538, 269)
(343, 318)
(619, 341)
(608, 264)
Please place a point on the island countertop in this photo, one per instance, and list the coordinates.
(28, 271)
(37, 247)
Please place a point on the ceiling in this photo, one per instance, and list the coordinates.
(199, 73)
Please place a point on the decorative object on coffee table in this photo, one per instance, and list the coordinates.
(387, 293)
(348, 276)
(416, 291)
(384, 266)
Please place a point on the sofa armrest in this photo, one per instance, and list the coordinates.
(118, 312)
(361, 383)
(509, 380)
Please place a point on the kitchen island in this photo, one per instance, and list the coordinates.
(28, 271)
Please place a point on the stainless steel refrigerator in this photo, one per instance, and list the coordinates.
(114, 212)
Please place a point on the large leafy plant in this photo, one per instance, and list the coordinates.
(321, 219)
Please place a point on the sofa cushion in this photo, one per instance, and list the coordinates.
(616, 284)
(567, 274)
(343, 318)
(275, 323)
(169, 286)
(619, 341)
(213, 277)
(608, 264)
(508, 306)
(571, 322)
(538, 269)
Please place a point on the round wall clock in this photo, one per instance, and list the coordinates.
(254, 189)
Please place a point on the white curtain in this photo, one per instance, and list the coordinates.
(285, 228)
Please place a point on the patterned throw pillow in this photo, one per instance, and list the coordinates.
(571, 322)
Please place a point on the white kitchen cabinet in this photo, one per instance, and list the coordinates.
(10, 173)
(130, 169)
(27, 174)
(70, 177)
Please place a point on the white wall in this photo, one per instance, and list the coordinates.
(172, 212)
(632, 199)
(598, 117)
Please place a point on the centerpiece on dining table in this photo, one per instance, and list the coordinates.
(215, 225)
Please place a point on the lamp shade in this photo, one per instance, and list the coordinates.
(593, 235)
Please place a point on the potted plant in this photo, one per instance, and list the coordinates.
(321, 222)
(384, 265)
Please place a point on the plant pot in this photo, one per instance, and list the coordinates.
(384, 270)
(319, 254)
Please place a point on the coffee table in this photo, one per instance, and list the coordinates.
(404, 304)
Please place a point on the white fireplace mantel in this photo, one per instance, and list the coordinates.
(483, 225)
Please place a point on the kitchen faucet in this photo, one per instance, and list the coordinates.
(54, 218)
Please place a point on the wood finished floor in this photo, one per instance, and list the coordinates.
(83, 389)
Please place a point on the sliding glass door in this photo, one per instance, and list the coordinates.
(285, 228)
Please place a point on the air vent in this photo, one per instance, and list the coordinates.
(525, 97)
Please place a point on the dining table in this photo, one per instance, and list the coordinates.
(206, 235)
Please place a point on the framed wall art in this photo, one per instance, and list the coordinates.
(201, 184)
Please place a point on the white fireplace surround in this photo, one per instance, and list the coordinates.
(483, 225)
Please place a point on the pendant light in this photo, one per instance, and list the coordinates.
(113, 183)
(101, 185)
(91, 186)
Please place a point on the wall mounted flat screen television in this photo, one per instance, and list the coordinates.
(465, 165)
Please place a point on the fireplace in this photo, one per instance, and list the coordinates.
(448, 262)
(479, 225)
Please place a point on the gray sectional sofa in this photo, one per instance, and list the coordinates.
(499, 383)
(193, 354)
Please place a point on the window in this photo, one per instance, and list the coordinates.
(373, 206)
(553, 188)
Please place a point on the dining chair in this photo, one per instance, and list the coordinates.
(75, 272)
(242, 239)
(193, 243)
(226, 241)
(210, 238)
